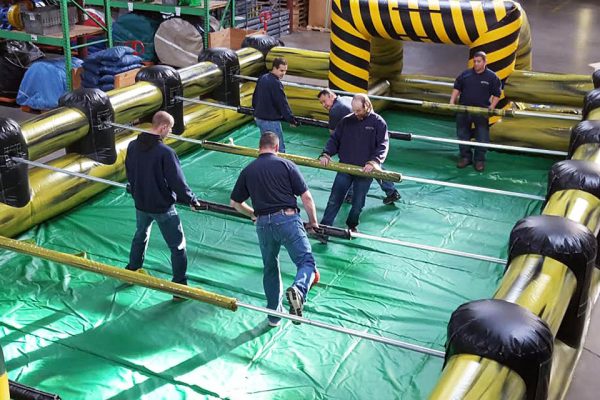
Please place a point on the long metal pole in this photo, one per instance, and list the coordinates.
(474, 188)
(224, 147)
(230, 211)
(190, 292)
(409, 136)
(352, 332)
(429, 248)
(428, 104)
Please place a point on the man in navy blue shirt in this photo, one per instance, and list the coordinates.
(360, 139)
(475, 87)
(339, 107)
(272, 183)
(270, 103)
(156, 182)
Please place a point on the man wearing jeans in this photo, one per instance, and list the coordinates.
(475, 87)
(339, 107)
(360, 139)
(156, 182)
(272, 183)
(270, 103)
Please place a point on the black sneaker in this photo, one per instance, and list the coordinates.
(392, 198)
(296, 302)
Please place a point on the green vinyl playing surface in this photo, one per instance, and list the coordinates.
(84, 336)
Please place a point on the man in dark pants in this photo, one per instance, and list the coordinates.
(272, 183)
(270, 103)
(156, 182)
(339, 107)
(475, 87)
(361, 139)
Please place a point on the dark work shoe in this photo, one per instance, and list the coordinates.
(463, 162)
(353, 230)
(348, 199)
(479, 166)
(296, 302)
(390, 199)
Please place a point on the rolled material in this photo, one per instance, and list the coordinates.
(53, 193)
(308, 162)
(59, 128)
(120, 273)
(552, 134)
(305, 63)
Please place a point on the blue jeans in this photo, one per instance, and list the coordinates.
(271, 126)
(388, 187)
(172, 231)
(340, 187)
(464, 132)
(275, 230)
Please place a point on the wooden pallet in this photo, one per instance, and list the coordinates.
(317, 28)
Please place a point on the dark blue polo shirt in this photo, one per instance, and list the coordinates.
(271, 182)
(342, 106)
(476, 89)
(357, 142)
(269, 100)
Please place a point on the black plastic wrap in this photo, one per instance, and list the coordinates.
(262, 43)
(15, 58)
(99, 143)
(584, 132)
(229, 63)
(507, 333)
(167, 79)
(14, 178)
(591, 102)
(570, 243)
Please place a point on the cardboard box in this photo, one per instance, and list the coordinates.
(319, 14)
(231, 37)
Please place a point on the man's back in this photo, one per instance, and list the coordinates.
(341, 107)
(271, 182)
(154, 175)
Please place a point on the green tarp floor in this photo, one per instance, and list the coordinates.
(84, 336)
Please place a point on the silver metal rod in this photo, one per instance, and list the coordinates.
(352, 332)
(490, 145)
(207, 103)
(129, 127)
(72, 173)
(429, 248)
(546, 115)
(419, 137)
(474, 188)
(510, 113)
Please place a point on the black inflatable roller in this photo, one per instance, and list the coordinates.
(14, 178)
(227, 60)
(582, 133)
(262, 43)
(591, 102)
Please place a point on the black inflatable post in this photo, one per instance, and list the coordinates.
(584, 132)
(18, 391)
(508, 334)
(262, 43)
(591, 101)
(570, 243)
(167, 79)
(596, 79)
(14, 178)
(99, 143)
(228, 91)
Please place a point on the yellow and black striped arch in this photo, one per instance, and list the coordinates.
(490, 26)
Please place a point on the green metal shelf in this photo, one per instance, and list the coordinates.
(64, 39)
(201, 10)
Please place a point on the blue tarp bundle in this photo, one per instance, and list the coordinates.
(100, 68)
(44, 82)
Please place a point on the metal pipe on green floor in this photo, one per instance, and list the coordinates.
(323, 230)
(393, 134)
(122, 274)
(436, 106)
